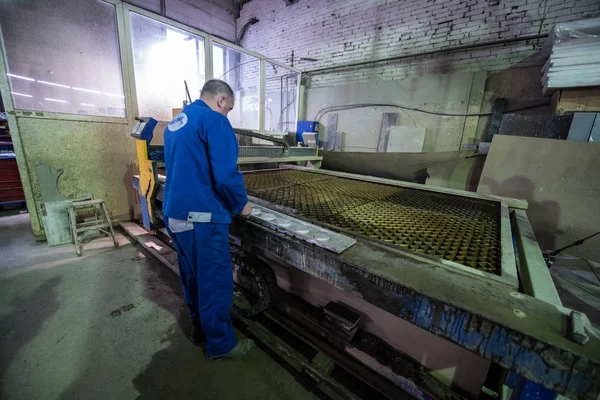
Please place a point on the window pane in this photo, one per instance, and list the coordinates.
(163, 58)
(63, 56)
(281, 99)
(242, 72)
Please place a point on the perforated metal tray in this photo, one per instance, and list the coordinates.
(463, 232)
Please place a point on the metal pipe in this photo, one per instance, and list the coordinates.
(163, 8)
(279, 124)
(247, 132)
(247, 25)
(426, 53)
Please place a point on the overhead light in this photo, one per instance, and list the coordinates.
(88, 105)
(115, 95)
(86, 90)
(21, 94)
(21, 77)
(54, 84)
(56, 100)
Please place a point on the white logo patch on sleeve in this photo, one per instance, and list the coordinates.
(178, 122)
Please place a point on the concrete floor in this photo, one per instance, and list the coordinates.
(109, 325)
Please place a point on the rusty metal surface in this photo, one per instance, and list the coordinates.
(463, 230)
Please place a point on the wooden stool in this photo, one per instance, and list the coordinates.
(100, 222)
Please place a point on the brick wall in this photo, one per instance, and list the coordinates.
(345, 31)
(217, 17)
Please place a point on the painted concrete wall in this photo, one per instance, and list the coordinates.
(447, 93)
(217, 17)
(337, 32)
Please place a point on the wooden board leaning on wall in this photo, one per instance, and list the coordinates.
(576, 100)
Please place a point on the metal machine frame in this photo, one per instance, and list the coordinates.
(527, 332)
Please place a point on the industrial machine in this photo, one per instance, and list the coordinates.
(438, 292)
(256, 150)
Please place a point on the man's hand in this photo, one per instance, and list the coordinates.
(247, 211)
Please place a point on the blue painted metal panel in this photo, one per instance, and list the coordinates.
(144, 205)
(306, 126)
(145, 213)
(535, 391)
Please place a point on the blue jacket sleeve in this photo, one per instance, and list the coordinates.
(223, 154)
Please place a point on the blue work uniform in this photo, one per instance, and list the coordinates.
(202, 192)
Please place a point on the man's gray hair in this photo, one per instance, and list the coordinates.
(215, 87)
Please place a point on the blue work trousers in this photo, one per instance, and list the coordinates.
(207, 277)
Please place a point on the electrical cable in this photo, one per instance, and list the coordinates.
(575, 243)
(570, 257)
(329, 109)
(591, 268)
(285, 108)
(236, 67)
(251, 61)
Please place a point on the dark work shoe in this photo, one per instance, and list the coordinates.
(241, 349)
(197, 337)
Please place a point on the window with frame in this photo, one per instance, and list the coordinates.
(165, 59)
(242, 72)
(281, 98)
(63, 56)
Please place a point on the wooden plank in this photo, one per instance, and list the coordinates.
(388, 119)
(156, 247)
(497, 112)
(578, 100)
(560, 180)
(474, 107)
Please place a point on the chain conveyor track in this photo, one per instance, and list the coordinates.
(459, 229)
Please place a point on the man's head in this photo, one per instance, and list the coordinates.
(218, 95)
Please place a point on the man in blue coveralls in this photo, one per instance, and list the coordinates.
(203, 190)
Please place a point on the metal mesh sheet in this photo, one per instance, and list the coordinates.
(459, 229)
(260, 151)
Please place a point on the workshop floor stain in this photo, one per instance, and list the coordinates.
(180, 370)
(59, 340)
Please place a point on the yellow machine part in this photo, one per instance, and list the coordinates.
(147, 174)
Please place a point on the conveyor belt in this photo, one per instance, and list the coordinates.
(459, 229)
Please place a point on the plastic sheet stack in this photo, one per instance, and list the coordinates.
(573, 51)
